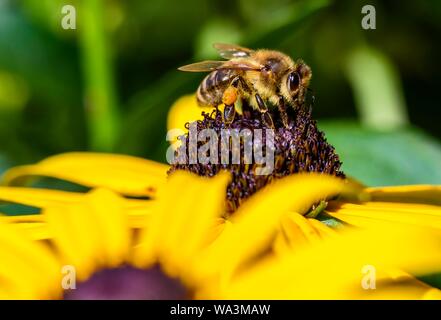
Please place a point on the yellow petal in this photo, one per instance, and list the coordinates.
(334, 268)
(185, 109)
(254, 224)
(414, 193)
(39, 198)
(138, 211)
(35, 225)
(290, 236)
(75, 243)
(22, 218)
(28, 269)
(322, 229)
(180, 222)
(432, 294)
(190, 226)
(91, 234)
(112, 225)
(35, 230)
(305, 226)
(419, 215)
(411, 289)
(124, 174)
(405, 207)
(295, 232)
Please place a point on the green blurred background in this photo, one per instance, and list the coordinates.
(108, 84)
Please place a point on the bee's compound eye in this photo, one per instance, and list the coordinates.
(293, 81)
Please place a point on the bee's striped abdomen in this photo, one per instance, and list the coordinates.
(211, 89)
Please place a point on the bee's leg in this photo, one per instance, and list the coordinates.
(229, 113)
(266, 117)
(282, 109)
(300, 97)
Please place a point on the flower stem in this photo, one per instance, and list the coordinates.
(100, 94)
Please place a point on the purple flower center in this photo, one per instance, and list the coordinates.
(126, 283)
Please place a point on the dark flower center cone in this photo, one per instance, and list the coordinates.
(128, 283)
(299, 147)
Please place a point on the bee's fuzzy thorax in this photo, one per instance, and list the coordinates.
(301, 147)
(264, 55)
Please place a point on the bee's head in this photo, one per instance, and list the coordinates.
(296, 79)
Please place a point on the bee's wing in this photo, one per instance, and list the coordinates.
(245, 65)
(229, 51)
(209, 65)
(203, 66)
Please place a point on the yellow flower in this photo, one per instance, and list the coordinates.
(266, 250)
(172, 237)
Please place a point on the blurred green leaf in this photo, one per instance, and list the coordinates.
(12, 209)
(41, 59)
(376, 158)
(274, 21)
(377, 89)
(433, 280)
(14, 92)
(47, 13)
(144, 130)
(52, 119)
(216, 30)
(159, 29)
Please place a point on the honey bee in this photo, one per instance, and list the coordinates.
(259, 76)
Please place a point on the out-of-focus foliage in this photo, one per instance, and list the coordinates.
(50, 77)
(404, 156)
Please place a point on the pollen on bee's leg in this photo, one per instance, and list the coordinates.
(230, 96)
